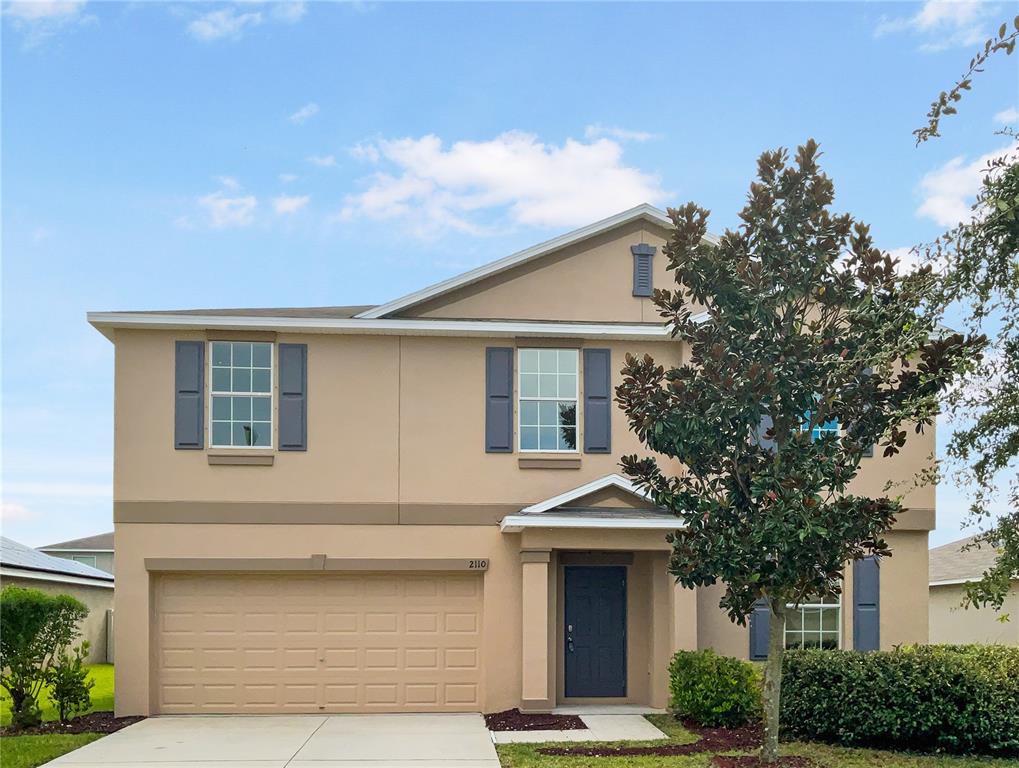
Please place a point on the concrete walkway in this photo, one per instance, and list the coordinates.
(293, 741)
(611, 727)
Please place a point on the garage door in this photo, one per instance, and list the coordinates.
(318, 643)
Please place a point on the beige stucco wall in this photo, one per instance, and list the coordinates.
(903, 599)
(951, 623)
(98, 600)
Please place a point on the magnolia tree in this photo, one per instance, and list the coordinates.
(793, 324)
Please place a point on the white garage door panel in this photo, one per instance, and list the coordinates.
(318, 643)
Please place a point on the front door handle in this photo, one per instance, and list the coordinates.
(569, 638)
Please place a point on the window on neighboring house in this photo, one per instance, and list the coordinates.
(241, 394)
(547, 407)
(85, 559)
(816, 623)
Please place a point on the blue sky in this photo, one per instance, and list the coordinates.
(160, 155)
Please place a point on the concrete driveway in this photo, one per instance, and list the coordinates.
(293, 741)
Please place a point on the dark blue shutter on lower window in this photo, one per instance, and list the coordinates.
(866, 605)
(597, 401)
(293, 389)
(189, 396)
(498, 399)
(760, 626)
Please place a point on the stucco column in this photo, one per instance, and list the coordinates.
(684, 618)
(535, 694)
(663, 614)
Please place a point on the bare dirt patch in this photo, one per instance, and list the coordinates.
(753, 761)
(515, 720)
(93, 722)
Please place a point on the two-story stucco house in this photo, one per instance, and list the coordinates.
(415, 506)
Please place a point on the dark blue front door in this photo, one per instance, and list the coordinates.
(595, 642)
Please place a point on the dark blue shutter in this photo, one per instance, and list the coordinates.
(866, 605)
(293, 389)
(597, 401)
(642, 280)
(760, 625)
(498, 399)
(189, 396)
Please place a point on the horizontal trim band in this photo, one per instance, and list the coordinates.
(319, 563)
(309, 513)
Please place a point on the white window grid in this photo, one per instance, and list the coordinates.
(573, 396)
(269, 395)
(806, 612)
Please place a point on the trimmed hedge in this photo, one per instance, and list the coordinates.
(714, 690)
(961, 699)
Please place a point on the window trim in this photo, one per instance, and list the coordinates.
(790, 607)
(520, 397)
(272, 395)
(77, 559)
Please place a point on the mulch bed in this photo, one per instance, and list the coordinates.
(515, 720)
(93, 722)
(753, 761)
(744, 738)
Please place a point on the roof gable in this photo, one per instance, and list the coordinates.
(642, 214)
(100, 542)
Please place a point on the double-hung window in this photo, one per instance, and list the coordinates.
(830, 427)
(548, 399)
(85, 559)
(815, 623)
(241, 394)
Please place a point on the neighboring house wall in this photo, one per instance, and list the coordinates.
(98, 600)
(101, 560)
(951, 623)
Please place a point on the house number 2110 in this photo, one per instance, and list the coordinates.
(477, 565)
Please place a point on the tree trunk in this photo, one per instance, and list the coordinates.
(773, 680)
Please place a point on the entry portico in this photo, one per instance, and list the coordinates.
(600, 614)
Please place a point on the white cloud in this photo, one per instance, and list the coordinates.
(224, 23)
(10, 512)
(39, 20)
(364, 150)
(225, 211)
(322, 161)
(304, 114)
(948, 191)
(289, 11)
(288, 178)
(513, 175)
(597, 130)
(228, 182)
(945, 23)
(907, 257)
(1007, 116)
(285, 204)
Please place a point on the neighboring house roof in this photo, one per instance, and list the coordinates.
(950, 564)
(18, 560)
(644, 212)
(555, 512)
(101, 542)
(376, 319)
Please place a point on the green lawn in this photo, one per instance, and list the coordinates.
(30, 751)
(527, 756)
(102, 696)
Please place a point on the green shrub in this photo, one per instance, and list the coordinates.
(70, 685)
(37, 628)
(961, 699)
(714, 690)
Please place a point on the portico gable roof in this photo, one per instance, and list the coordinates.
(567, 510)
